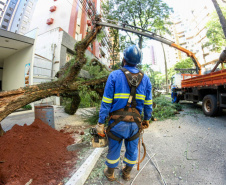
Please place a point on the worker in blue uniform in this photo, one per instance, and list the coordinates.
(174, 95)
(125, 108)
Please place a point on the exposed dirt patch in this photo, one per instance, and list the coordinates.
(35, 152)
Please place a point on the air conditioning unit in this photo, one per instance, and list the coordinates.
(52, 9)
(49, 21)
(79, 37)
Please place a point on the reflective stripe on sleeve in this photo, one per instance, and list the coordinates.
(121, 96)
(128, 161)
(107, 100)
(113, 161)
(126, 96)
(147, 102)
(140, 97)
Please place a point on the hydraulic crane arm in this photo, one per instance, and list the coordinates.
(153, 36)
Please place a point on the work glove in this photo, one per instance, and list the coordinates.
(100, 129)
(145, 124)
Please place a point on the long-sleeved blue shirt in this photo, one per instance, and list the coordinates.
(117, 91)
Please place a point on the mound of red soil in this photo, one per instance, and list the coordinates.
(36, 152)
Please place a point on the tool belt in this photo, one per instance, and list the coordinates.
(132, 115)
(129, 113)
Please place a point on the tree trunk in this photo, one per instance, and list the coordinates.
(140, 42)
(165, 68)
(66, 83)
(221, 16)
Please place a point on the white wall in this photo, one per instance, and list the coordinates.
(45, 48)
(61, 16)
(14, 67)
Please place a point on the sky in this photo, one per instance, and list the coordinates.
(184, 6)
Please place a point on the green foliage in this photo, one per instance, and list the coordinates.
(177, 106)
(98, 70)
(171, 72)
(100, 36)
(163, 108)
(88, 98)
(27, 107)
(182, 64)
(116, 66)
(215, 32)
(92, 116)
(157, 78)
(151, 15)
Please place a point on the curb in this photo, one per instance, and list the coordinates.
(80, 176)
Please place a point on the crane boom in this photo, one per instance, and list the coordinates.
(154, 37)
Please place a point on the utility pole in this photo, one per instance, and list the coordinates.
(221, 16)
(165, 68)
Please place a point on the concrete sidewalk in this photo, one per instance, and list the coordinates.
(60, 117)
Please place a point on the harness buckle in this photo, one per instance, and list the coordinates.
(134, 81)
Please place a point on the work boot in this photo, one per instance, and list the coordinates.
(109, 173)
(126, 172)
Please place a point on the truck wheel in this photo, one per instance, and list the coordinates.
(209, 105)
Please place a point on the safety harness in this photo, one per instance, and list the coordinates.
(129, 113)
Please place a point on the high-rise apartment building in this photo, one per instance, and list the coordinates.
(190, 32)
(15, 15)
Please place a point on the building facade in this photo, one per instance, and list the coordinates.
(58, 25)
(190, 31)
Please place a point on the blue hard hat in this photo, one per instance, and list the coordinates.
(132, 55)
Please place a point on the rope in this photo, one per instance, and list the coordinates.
(156, 167)
(141, 170)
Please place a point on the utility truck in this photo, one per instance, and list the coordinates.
(209, 88)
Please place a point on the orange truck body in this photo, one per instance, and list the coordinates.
(212, 79)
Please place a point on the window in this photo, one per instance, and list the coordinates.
(26, 17)
(6, 20)
(4, 27)
(8, 14)
(29, 8)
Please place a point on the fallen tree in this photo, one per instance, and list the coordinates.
(66, 84)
